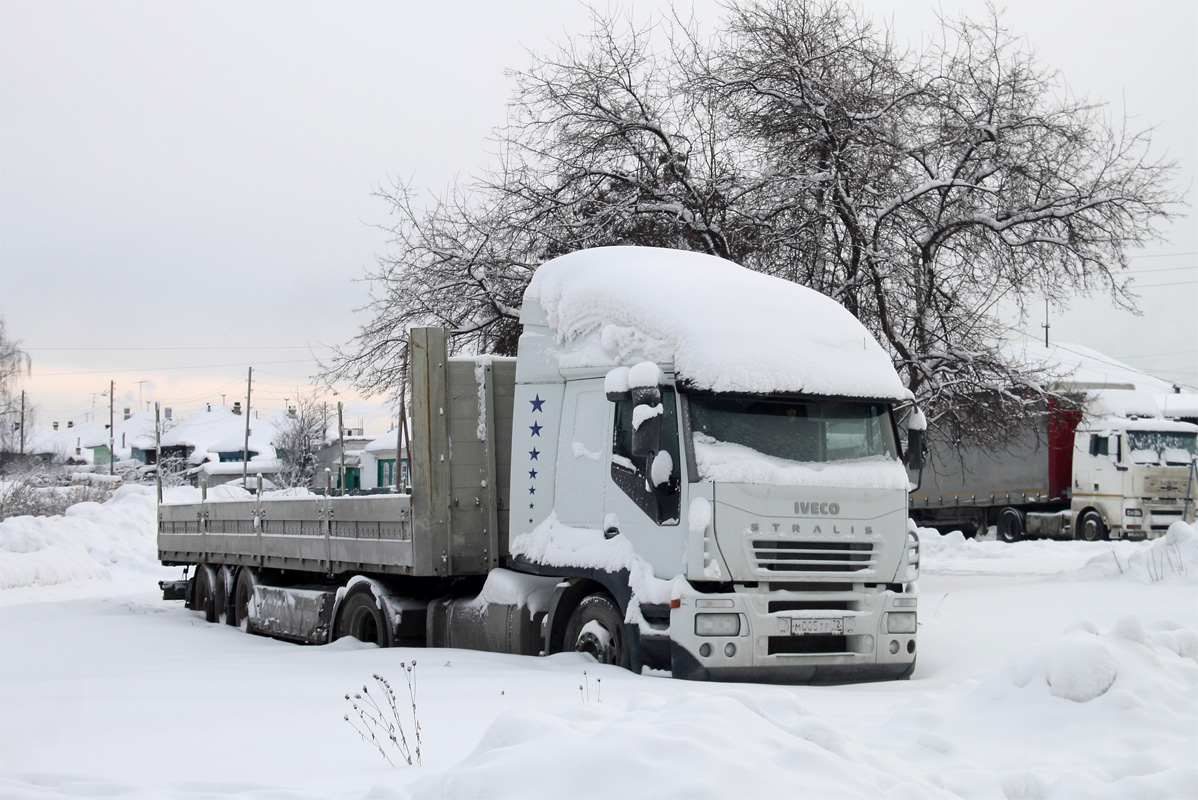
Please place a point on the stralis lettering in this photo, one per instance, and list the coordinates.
(797, 529)
(813, 509)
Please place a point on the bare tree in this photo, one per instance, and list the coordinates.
(917, 188)
(299, 439)
(14, 362)
(935, 185)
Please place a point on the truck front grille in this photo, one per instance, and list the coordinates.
(802, 557)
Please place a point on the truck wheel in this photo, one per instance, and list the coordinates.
(1010, 525)
(220, 592)
(1091, 527)
(361, 615)
(238, 612)
(203, 598)
(596, 627)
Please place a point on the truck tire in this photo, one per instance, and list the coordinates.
(362, 615)
(1009, 527)
(221, 586)
(203, 597)
(596, 627)
(1091, 528)
(238, 612)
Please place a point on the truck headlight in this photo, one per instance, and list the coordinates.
(1133, 512)
(900, 622)
(717, 624)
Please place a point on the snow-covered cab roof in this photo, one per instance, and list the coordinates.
(719, 326)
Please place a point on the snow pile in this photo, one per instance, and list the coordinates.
(1173, 557)
(717, 323)
(82, 545)
(1130, 669)
(732, 743)
(725, 462)
(1080, 714)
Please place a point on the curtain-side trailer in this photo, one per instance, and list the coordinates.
(1063, 477)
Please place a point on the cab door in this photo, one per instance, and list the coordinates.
(649, 516)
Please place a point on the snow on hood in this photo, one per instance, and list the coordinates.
(723, 328)
(724, 462)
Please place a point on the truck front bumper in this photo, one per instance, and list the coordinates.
(794, 637)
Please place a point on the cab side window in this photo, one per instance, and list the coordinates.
(663, 506)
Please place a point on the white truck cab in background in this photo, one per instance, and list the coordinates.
(1133, 478)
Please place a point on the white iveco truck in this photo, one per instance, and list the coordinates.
(689, 467)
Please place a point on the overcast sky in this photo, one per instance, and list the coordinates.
(185, 187)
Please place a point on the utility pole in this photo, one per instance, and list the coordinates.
(158, 449)
(341, 440)
(1046, 326)
(111, 430)
(22, 422)
(245, 453)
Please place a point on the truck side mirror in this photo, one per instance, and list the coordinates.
(915, 449)
(646, 422)
(615, 385)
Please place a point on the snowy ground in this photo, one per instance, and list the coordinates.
(1047, 669)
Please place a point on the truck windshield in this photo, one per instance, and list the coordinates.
(1162, 447)
(796, 430)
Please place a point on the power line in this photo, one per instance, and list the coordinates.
(234, 347)
(1158, 285)
(163, 369)
(1167, 255)
(1157, 269)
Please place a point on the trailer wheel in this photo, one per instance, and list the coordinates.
(596, 627)
(361, 615)
(203, 598)
(1091, 527)
(238, 612)
(221, 589)
(1010, 525)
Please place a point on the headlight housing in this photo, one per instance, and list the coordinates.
(900, 622)
(717, 624)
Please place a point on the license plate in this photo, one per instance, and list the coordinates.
(808, 627)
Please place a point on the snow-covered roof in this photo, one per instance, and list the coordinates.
(1176, 405)
(1112, 387)
(40, 439)
(1139, 424)
(387, 442)
(1077, 367)
(720, 326)
(84, 435)
(220, 430)
(1124, 403)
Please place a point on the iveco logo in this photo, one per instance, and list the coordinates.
(817, 509)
